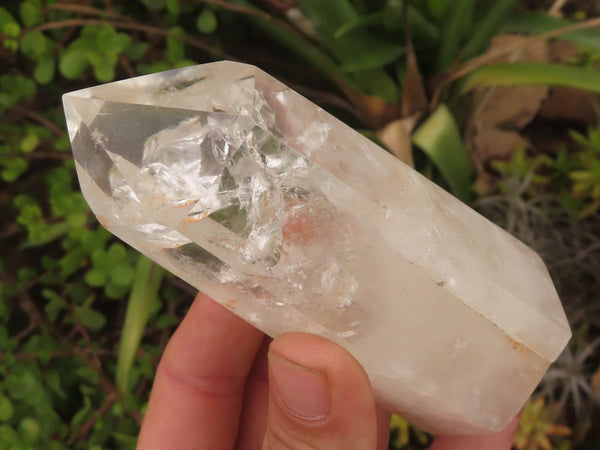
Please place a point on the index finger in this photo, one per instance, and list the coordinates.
(198, 391)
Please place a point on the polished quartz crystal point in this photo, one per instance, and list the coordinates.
(294, 221)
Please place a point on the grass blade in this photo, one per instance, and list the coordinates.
(537, 23)
(146, 283)
(437, 9)
(366, 20)
(457, 24)
(510, 74)
(487, 27)
(303, 48)
(356, 49)
(439, 137)
(422, 29)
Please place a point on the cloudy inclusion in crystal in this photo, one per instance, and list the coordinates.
(294, 221)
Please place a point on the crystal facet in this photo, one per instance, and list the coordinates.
(296, 222)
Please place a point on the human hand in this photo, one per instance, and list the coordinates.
(212, 391)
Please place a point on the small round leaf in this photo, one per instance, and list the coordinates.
(95, 278)
(206, 21)
(44, 70)
(91, 319)
(122, 274)
(6, 408)
(73, 63)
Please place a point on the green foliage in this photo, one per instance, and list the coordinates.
(143, 302)
(511, 74)
(537, 23)
(573, 176)
(207, 21)
(83, 318)
(585, 175)
(439, 137)
(98, 47)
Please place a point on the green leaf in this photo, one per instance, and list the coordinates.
(511, 74)
(76, 219)
(52, 378)
(104, 72)
(44, 70)
(356, 50)
(13, 168)
(206, 21)
(95, 277)
(537, 23)
(29, 143)
(6, 408)
(173, 7)
(166, 320)
(487, 27)
(116, 253)
(122, 274)
(71, 262)
(439, 137)
(31, 14)
(148, 277)
(422, 29)
(91, 319)
(438, 8)
(302, 47)
(378, 83)
(125, 442)
(51, 233)
(106, 39)
(55, 304)
(379, 56)
(14, 88)
(29, 429)
(361, 21)
(34, 44)
(11, 30)
(175, 49)
(21, 386)
(73, 63)
(62, 143)
(94, 240)
(81, 416)
(5, 17)
(115, 291)
(137, 50)
(9, 438)
(456, 24)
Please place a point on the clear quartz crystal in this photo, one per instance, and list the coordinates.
(294, 221)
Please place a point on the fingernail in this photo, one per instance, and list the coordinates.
(303, 391)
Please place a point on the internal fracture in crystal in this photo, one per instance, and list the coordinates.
(256, 196)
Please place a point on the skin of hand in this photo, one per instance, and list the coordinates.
(222, 384)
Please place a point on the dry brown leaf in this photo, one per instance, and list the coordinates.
(374, 111)
(494, 143)
(414, 99)
(572, 105)
(396, 137)
(500, 113)
(512, 107)
(562, 51)
(596, 382)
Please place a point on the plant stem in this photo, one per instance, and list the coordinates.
(148, 277)
(38, 118)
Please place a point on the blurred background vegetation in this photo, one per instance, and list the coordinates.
(497, 101)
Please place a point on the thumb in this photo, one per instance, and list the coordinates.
(320, 397)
